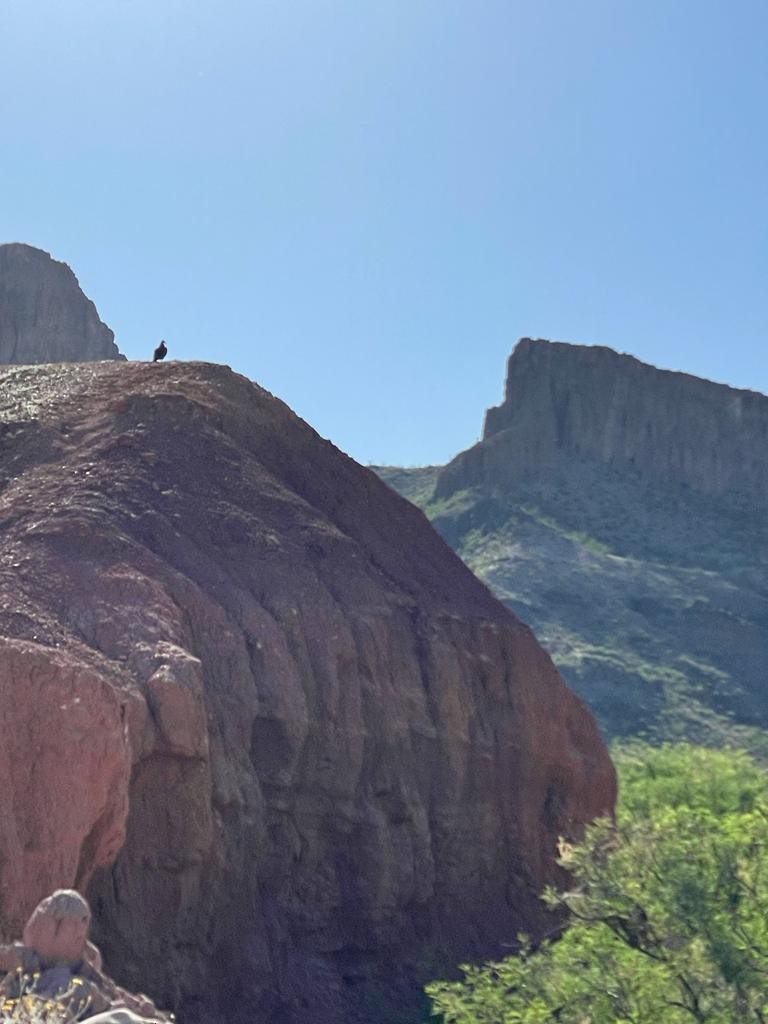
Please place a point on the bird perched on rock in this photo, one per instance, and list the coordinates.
(160, 352)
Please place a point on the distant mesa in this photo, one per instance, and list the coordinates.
(44, 315)
(568, 408)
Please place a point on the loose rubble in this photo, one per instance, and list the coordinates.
(56, 961)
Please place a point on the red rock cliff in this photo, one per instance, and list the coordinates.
(256, 708)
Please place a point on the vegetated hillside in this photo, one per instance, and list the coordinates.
(670, 926)
(296, 755)
(620, 511)
(44, 315)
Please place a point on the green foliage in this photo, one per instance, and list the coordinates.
(668, 908)
(577, 536)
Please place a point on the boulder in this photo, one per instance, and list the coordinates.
(57, 931)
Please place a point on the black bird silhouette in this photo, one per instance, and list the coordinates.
(160, 352)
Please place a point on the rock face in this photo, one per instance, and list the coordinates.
(44, 315)
(618, 509)
(571, 403)
(297, 755)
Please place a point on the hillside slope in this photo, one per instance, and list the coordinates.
(620, 511)
(297, 756)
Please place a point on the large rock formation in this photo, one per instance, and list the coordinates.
(44, 315)
(618, 509)
(565, 404)
(299, 758)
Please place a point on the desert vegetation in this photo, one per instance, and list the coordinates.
(652, 607)
(667, 908)
(23, 1003)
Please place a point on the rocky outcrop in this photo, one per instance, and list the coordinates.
(566, 405)
(55, 965)
(44, 315)
(618, 509)
(61, 720)
(298, 757)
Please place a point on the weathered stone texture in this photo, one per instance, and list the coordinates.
(44, 315)
(64, 768)
(344, 762)
(566, 404)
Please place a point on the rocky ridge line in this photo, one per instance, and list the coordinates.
(569, 405)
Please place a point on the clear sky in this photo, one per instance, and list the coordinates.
(362, 204)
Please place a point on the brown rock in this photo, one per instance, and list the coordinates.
(93, 956)
(44, 316)
(343, 756)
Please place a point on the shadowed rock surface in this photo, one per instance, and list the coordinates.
(568, 405)
(620, 510)
(295, 752)
(44, 315)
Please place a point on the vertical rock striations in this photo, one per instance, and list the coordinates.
(57, 971)
(44, 315)
(566, 405)
(335, 763)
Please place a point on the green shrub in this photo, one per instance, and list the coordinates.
(668, 908)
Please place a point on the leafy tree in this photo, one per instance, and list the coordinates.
(668, 908)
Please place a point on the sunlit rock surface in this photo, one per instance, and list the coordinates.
(296, 754)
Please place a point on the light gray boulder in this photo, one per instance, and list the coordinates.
(57, 931)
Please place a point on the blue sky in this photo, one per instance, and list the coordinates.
(362, 205)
